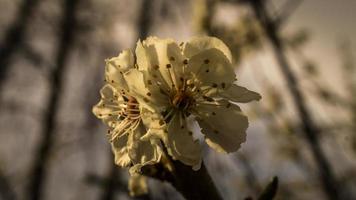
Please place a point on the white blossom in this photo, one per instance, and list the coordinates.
(194, 79)
(119, 110)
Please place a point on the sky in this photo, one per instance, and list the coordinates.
(330, 22)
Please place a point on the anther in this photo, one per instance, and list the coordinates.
(208, 98)
(206, 61)
(215, 85)
(185, 61)
(223, 85)
(161, 122)
(172, 58)
(168, 66)
(155, 67)
(148, 94)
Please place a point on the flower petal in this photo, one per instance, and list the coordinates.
(116, 66)
(120, 151)
(143, 152)
(107, 107)
(181, 144)
(162, 59)
(148, 96)
(211, 68)
(176, 136)
(199, 44)
(240, 94)
(223, 125)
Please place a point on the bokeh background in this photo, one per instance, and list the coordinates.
(51, 69)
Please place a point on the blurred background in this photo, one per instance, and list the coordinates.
(298, 54)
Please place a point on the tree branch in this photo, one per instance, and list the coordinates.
(43, 151)
(327, 176)
(193, 185)
(15, 36)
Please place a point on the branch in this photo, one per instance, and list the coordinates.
(286, 11)
(15, 36)
(327, 177)
(66, 36)
(193, 185)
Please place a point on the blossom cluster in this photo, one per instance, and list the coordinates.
(151, 96)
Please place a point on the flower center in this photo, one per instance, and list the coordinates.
(132, 107)
(182, 100)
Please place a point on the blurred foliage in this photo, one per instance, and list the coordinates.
(243, 37)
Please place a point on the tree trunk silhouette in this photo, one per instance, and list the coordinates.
(15, 36)
(38, 171)
(310, 130)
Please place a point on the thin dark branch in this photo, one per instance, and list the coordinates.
(145, 18)
(287, 10)
(310, 130)
(208, 19)
(15, 36)
(35, 58)
(38, 171)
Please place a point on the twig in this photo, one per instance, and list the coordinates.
(286, 11)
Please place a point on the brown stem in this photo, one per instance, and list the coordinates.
(193, 185)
